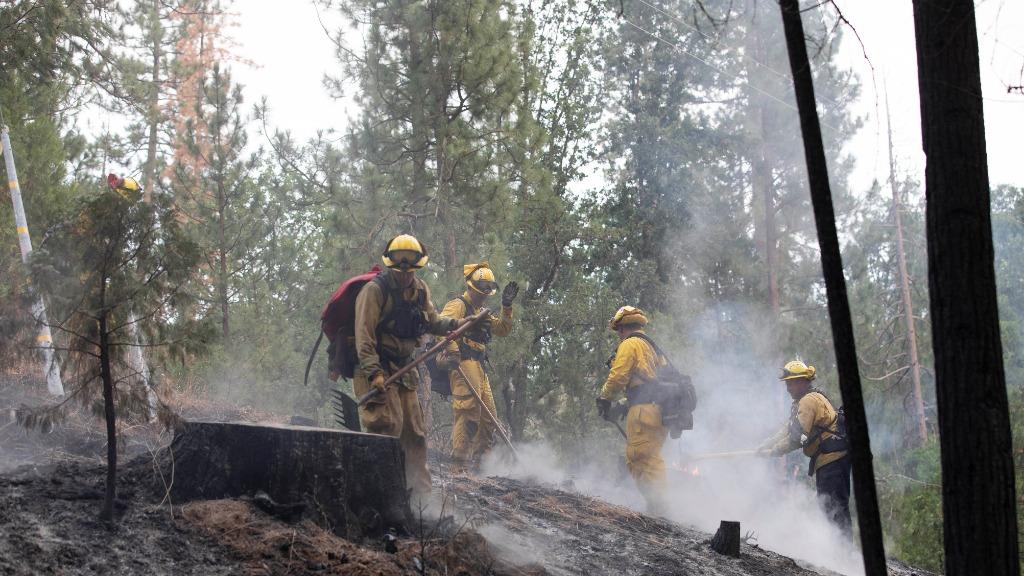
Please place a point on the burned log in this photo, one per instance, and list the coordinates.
(350, 482)
(727, 539)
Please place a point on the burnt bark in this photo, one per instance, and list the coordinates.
(864, 490)
(727, 539)
(350, 482)
(979, 508)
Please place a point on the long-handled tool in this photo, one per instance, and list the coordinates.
(346, 408)
(490, 415)
(426, 355)
(722, 455)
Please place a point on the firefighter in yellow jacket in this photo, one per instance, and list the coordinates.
(392, 312)
(815, 426)
(473, 430)
(633, 367)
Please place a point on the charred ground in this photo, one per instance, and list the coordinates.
(49, 524)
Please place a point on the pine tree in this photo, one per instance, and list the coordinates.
(216, 192)
(114, 254)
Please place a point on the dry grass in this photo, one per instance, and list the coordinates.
(268, 546)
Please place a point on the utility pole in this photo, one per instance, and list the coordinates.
(908, 304)
(50, 364)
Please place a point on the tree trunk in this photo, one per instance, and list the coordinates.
(352, 483)
(979, 508)
(908, 303)
(109, 414)
(762, 182)
(154, 110)
(763, 187)
(727, 539)
(835, 286)
(222, 250)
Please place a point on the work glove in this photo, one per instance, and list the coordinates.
(509, 294)
(603, 406)
(378, 382)
(449, 360)
(618, 410)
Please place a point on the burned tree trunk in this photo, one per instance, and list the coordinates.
(868, 519)
(978, 504)
(727, 539)
(353, 483)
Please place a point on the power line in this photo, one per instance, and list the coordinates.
(716, 40)
(720, 71)
(743, 53)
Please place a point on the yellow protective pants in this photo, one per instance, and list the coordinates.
(397, 413)
(645, 435)
(472, 430)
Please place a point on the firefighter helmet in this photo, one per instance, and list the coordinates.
(797, 369)
(404, 252)
(480, 278)
(628, 315)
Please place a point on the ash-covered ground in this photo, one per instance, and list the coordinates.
(51, 491)
(49, 525)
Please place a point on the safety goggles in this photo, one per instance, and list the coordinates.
(405, 258)
(485, 286)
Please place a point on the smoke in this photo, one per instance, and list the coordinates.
(740, 404)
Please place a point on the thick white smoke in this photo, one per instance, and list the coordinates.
(741, 403)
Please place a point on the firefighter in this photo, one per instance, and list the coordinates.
(472, 429)
(817, 427)
(391, 314)
(633, 369)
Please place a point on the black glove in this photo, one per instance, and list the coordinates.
(618, 411)
(509, 294)
(603, 405)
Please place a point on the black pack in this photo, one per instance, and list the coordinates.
(837, 442)
(440, 380)
(672, 390)
(405, 319)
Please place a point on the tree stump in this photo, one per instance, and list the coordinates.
(350, 482)
(727, 539)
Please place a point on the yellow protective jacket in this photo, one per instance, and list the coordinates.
(635, 362)
(811, 414)
(457, 308)
(369, 312)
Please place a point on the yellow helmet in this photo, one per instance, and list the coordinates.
(628, 315)
(797, 369)
(405, 252)
(480, 278)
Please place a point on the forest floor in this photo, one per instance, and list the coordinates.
(49, 505)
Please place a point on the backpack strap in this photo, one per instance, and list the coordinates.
(649, 340)
(819, 430)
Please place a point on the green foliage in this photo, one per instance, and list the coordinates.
(111, 259)
(652, 159)
(911, 503)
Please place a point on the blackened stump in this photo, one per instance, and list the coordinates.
(727, 539)
(350, 482)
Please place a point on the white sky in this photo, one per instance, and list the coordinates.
(293, 53)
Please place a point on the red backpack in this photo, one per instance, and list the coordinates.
(337, 322)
